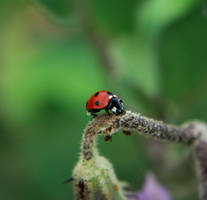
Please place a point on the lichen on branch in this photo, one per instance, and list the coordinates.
(94, 177)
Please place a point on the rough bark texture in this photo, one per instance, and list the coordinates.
(193, 134)
(201, 157)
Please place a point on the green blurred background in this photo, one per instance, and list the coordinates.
(55, 53)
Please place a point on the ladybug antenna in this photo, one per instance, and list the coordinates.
(68, 180)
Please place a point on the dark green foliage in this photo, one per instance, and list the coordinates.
(114, 16)
(60, 10)
(48, 71)
(183, 61)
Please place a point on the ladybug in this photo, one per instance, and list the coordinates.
(104, 100)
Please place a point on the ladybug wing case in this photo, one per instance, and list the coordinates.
(98, 101)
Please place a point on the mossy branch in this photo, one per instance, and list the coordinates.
(94, 175)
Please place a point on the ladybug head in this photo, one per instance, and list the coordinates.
(104, 100)
(115, 105)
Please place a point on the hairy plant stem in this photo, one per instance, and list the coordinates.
(193, 134)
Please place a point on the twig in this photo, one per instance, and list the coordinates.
(110, 124)
(193, 134)
(201, 158)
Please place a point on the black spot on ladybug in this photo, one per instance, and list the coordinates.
(109, 93)
(97, 103)
(96, 94)
(86, 103)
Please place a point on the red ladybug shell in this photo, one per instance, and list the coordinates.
(99, 100)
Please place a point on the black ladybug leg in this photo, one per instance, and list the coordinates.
(107, 110)
(94, 115)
